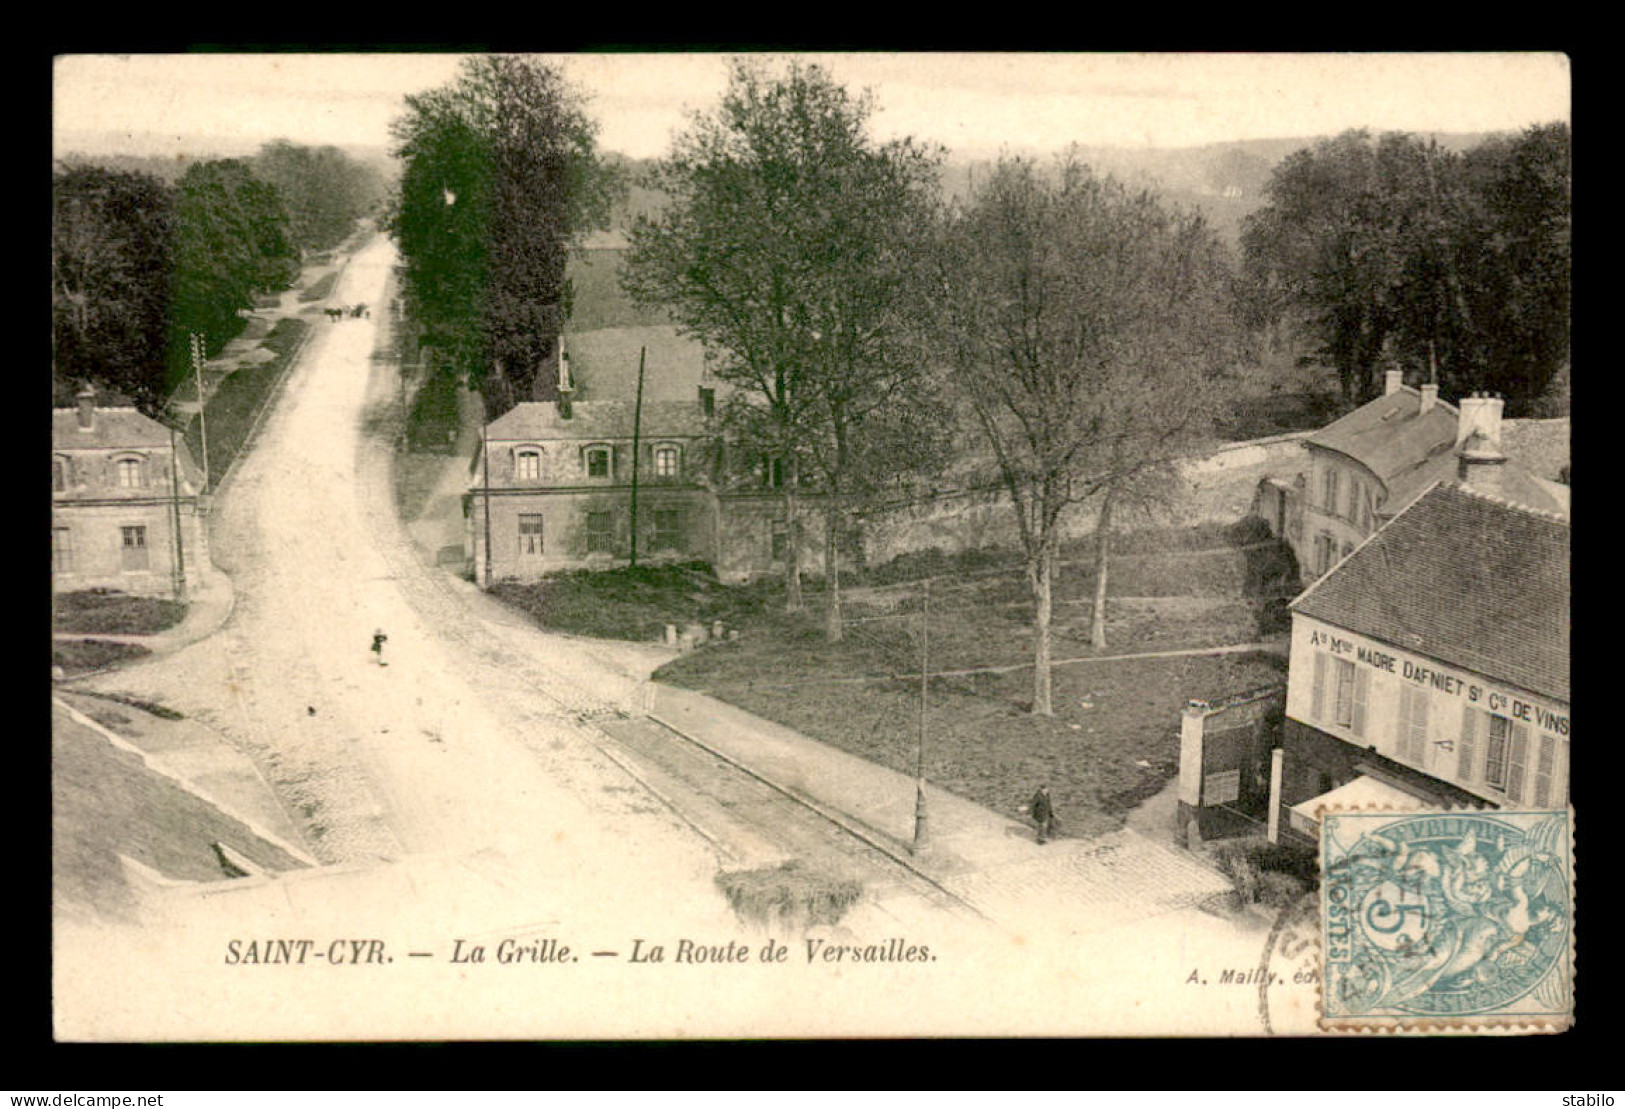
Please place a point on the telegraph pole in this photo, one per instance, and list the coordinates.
(203, 419)
(922, 824)
(485, 467)
(179, 576)
(637, 434)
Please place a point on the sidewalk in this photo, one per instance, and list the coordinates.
(986, 860)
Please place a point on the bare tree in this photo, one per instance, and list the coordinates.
(1081, 324)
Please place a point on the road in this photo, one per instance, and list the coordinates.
(482, 734)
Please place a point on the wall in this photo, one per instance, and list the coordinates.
(564, 529)
(1450, 694)
(98, 556)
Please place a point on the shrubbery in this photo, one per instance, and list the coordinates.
(1264, 873)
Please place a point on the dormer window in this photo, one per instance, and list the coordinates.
(599, 462)
(527, 464)
(132, 473)
(668, 460)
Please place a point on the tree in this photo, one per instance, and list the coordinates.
(500, 171)
(1398, 252)
(110, 257)
(231, 244)
(324, 190)
(1083, 325)
(790, 246)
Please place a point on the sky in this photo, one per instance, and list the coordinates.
(970, 103)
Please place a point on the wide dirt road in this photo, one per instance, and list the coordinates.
(468, 740)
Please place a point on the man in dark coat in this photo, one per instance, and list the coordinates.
(378, 641)
(1043, 811)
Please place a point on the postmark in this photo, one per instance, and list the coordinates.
(1447, 921)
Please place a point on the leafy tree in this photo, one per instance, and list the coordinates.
(499, 172)
(324, 190)
(790, 244)
(111, 252)
(1397, 252)
(231, 243)
(1083, 325)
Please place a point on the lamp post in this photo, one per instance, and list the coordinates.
(922, 825)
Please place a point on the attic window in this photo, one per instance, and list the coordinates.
(131, 473)
(527, 465)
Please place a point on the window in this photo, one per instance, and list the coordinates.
(1324, 556)
(1413, 725)
(1518, 763)
(1331, 492)
(1348, 693)
(773, 472)
(666, 461)
(530, 534)
(1354, 500)
(601, 532)
(598, 462)
(1496, 738)
(528, 465)
(781, 542)
(134, 548)
(668, 529)
(1545, 771)
(61, 550)
(130, 473)
(59, 475)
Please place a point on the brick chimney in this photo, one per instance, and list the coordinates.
(87, 408)
(1430, 397)
(1482, 464)
(1480, 412)
(1392, 381)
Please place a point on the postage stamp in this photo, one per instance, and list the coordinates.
(1447, 921)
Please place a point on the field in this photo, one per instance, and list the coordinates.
(1113, 741)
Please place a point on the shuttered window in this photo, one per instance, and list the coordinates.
(528, 465)
(1465, 768)
(1413, 726)
(61, 550)
(1545, 771)
(1317, 706)
(1518, 762)
(1343, 707)
(1497, 735)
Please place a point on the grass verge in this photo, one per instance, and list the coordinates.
(83, 656)
(110, 612)
(789, 895)
(236, 402)
(320, 289)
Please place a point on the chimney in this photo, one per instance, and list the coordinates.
(1480, 412)
(1430, 397)
(1482, 463)
(87, 408)
(566, 382)
(1391, 382)
(564, 403)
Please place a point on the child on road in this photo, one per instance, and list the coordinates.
(378, 641)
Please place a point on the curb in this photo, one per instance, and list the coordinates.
(851, 825)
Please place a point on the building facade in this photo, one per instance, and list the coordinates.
(1365, 468)
(126, 505)
(1431, 667)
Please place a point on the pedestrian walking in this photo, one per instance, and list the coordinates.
(378, 641)
(1043, 812)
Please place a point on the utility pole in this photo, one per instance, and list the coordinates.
(202, 417)
(922, 825)
(179, 576)
(485, 470)
(637, 435)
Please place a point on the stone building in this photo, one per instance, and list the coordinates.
(126, 504)
(1365, 468)
(1430, 668)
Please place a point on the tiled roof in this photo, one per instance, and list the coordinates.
(602, 419)
(604, 364)
(1388, 436)
(1517, 484)
(1471, 580)
(112, 429)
